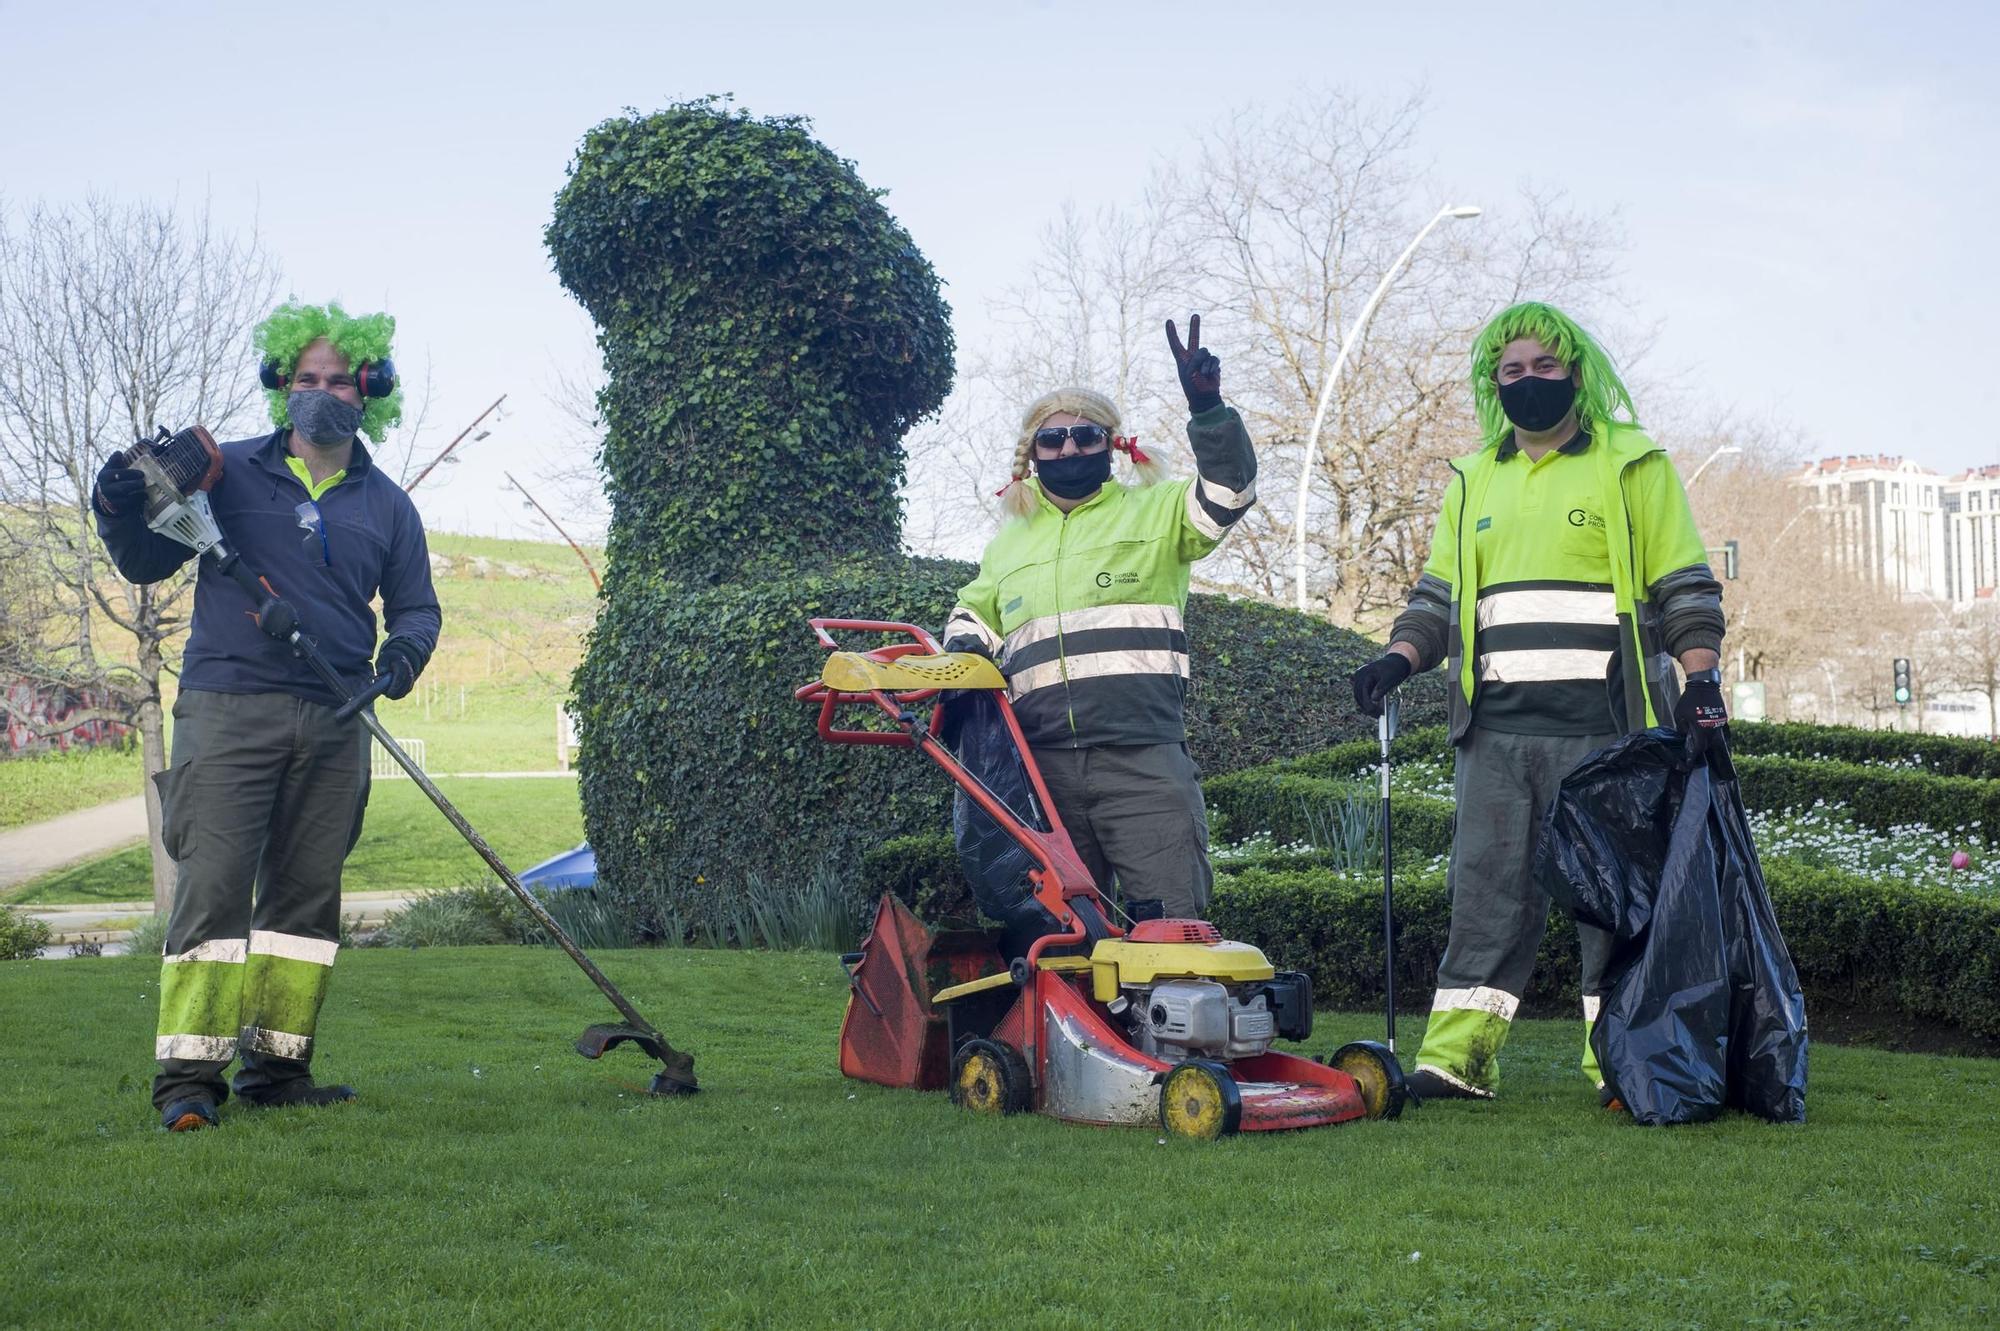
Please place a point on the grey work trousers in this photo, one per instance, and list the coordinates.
(262, 803)
(1503, 784)
(1136, 816)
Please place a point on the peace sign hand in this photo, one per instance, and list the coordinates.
(1200, 371)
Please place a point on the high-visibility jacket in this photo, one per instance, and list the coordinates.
(1658, 601)
(1082, 611)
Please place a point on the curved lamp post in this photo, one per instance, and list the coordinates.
(1360, 325)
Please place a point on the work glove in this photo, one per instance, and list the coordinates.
(967, 643)
(1374, 682)
(1200, 371)
(403, 662)
(120, 491)
(1700, 715)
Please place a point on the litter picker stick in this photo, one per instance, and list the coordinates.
(1386, 730)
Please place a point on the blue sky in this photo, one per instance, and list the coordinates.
(1807, 189)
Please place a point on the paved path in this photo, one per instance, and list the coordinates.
(111, 920)
(39, 848)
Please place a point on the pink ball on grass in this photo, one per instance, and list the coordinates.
(1960, 860)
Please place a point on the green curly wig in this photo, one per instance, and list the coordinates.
(1601, 397)
(293, 327)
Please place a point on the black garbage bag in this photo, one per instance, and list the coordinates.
(994, 863)
(1703, 1009)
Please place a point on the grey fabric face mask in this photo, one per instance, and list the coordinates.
(321, 417)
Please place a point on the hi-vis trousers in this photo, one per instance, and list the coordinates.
(1503, 784)
(259, 808)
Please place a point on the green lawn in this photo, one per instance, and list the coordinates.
(405, 842)
(489, 1177)
(53, 784)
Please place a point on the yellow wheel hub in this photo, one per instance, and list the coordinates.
(1193, 1103)
(982, 1085)
(1371, 1079)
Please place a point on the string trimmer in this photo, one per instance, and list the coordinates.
(180, 469)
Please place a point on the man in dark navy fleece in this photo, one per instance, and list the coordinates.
(265, 794)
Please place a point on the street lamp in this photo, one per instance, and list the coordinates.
(1453, 211)
(1726, 448)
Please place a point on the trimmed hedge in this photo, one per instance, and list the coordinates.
(1929, 954)
(1881, 798)
(699, 770)
(1281, 801)
(1941, 755)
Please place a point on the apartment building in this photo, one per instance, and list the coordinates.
(1909, 528)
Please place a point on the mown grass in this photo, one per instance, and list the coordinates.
(489, 1177)
(50, 785)
(405, 842)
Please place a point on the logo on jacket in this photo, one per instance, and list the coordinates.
(1580, 518)
(1105, 579)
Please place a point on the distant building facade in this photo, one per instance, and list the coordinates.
(1910, 529)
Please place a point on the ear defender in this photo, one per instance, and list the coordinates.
(374, 378)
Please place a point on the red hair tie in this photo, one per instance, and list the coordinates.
(1131, 446)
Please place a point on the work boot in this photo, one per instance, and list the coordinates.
(1430, 1084)
(300, 1092)
(189, 1116)
(1608, 1099)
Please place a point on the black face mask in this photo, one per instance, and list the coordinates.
(1075, 477)
(1536, 404)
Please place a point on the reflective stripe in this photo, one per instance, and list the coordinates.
(1092, 665)
(1592, 1003)
(215, 949)
(965, 621)
(1443, 1074)
(293, 947)
(1223, 495)
(1527, 667)
(1483, 999)
(1094, 617)
(1546, 605)
(195, 1048)
(282, 1044)
(1199, 519)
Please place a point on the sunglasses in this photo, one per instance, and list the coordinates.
(1089, 438)
(314, 523)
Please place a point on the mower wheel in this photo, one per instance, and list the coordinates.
(1199, 1099)
(1377, 1075)
(990, 1077)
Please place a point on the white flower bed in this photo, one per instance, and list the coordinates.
(1824, 836)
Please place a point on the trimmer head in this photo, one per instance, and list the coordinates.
(676, 1074)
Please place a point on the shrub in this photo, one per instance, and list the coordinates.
(22, 937)
(148, 937)
(769, 334)
(700, 770)
(1940, 755)
(460, 917)
(1280, 800)
(1881, 798)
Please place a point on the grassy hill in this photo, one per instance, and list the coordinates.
(515, 614)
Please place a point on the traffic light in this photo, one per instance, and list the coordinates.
(1902, 677)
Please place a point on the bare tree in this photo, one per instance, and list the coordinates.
(115, 319)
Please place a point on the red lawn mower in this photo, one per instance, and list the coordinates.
(1160, 1023)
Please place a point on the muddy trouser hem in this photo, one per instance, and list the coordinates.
(1503, 784)
(262, 802)
(1136, 816)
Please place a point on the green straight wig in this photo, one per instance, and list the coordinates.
(293, 327)
(1601, 397)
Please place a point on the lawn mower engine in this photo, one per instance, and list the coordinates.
(1178, 1019)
